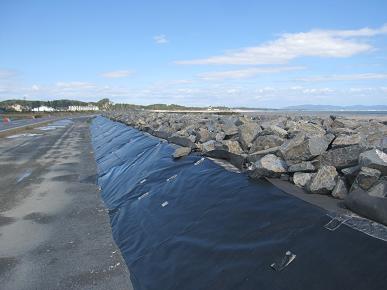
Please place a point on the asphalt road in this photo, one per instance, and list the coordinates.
(20, 123)
(54, 230)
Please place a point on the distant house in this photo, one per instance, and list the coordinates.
(43, 109)
(15, 107)
(82, 108)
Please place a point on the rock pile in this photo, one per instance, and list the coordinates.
(324, 155)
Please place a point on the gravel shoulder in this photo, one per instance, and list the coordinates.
(54, 230)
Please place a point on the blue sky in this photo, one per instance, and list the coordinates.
(235, 53)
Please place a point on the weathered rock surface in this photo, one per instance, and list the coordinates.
(340, 191)
(308, 150)
(324, 181)
(367, 177)
(302, 179)
(268, 166)
(181, 151)
(341, 157)
(305, 166)
(374, 159)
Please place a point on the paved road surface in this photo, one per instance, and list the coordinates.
(54, 231)
(22, 122)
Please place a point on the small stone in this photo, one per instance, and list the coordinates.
(324, 181)
(181, 151)
(301, 179)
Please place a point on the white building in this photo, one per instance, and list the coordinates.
(82, 108)
(43, 109)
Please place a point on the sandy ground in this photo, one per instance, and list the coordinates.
(54, 230)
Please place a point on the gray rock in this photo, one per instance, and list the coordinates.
(233, 146)
(213, 145)
(253, 157)
(367, 177)
(374, 159)
(340, 191)
(247, 133)
(278, 131)
(181, 151)
(379, 189)
(309, 129)
(220, 136)
(324, 181)
(341, 157)
(346, 140)
(302, 179)
(265, 142)
(182, 141)
(305, 166)
(302, 148)
(230, 129)
(203, 135)
(350, 173)
(268, 166)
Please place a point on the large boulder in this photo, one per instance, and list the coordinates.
(324, 181)
(302, 148)
(203, 135)
(270, 165)
(182, 141)
(346, 140)
(233, 146)
(247, 132)
(307, 128)
(374, 159)
(379, 189)
(367, 177)
(305, 166)
(301, 179)
(350, 173)
(341, 157)
(265, 142)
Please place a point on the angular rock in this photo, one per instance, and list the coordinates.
(213, 145)
(305, 166)
(367, 177)
(341, 157)
(350, 173)
(309, 129)
(235, 159)
(253, 157)
(247, 133)
(302, 179)
(219, 136)
(278, 131)
(301, 147)
(266, 142)
(340, 191)
(346, 140)
(374, 159)
(181, 151)
(203, 135)
(379, 189)
(182, 141)
(233, 146)
(324, 181)
(268, 166)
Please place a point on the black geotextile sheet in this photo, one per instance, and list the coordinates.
(190, 224)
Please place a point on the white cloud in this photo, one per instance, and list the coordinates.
(117, 74)
(318, 43)
(347, 77)
(245, 73)
(7, 73)
(160, 39)
(75, 86)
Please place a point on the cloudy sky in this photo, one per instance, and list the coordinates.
(202, 52)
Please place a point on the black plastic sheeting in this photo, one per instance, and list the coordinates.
(191, 224)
